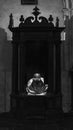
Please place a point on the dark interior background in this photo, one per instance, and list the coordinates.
(37, 58)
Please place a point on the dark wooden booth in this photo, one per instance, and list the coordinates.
(36, 48)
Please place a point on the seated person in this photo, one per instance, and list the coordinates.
(36, 86)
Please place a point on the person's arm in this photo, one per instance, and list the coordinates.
(29, 82)
(42, 79)
(46, 85)
(28, 85)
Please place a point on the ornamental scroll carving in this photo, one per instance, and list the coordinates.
(35, 19)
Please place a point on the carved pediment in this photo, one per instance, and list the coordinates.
(35, 19)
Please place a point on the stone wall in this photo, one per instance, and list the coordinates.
(67, 63)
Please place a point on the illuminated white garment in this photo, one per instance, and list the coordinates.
(36, 86)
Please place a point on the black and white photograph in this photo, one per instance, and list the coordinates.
(36, 64)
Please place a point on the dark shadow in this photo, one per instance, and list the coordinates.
(5, 51)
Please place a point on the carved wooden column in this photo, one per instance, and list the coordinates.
(54, 67)
(22, 68)
(15, 68)
(50, 62)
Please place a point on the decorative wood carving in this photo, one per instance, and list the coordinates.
(34, 20)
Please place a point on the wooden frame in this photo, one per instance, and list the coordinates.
(29, 2)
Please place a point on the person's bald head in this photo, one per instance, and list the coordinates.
(37, 75)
